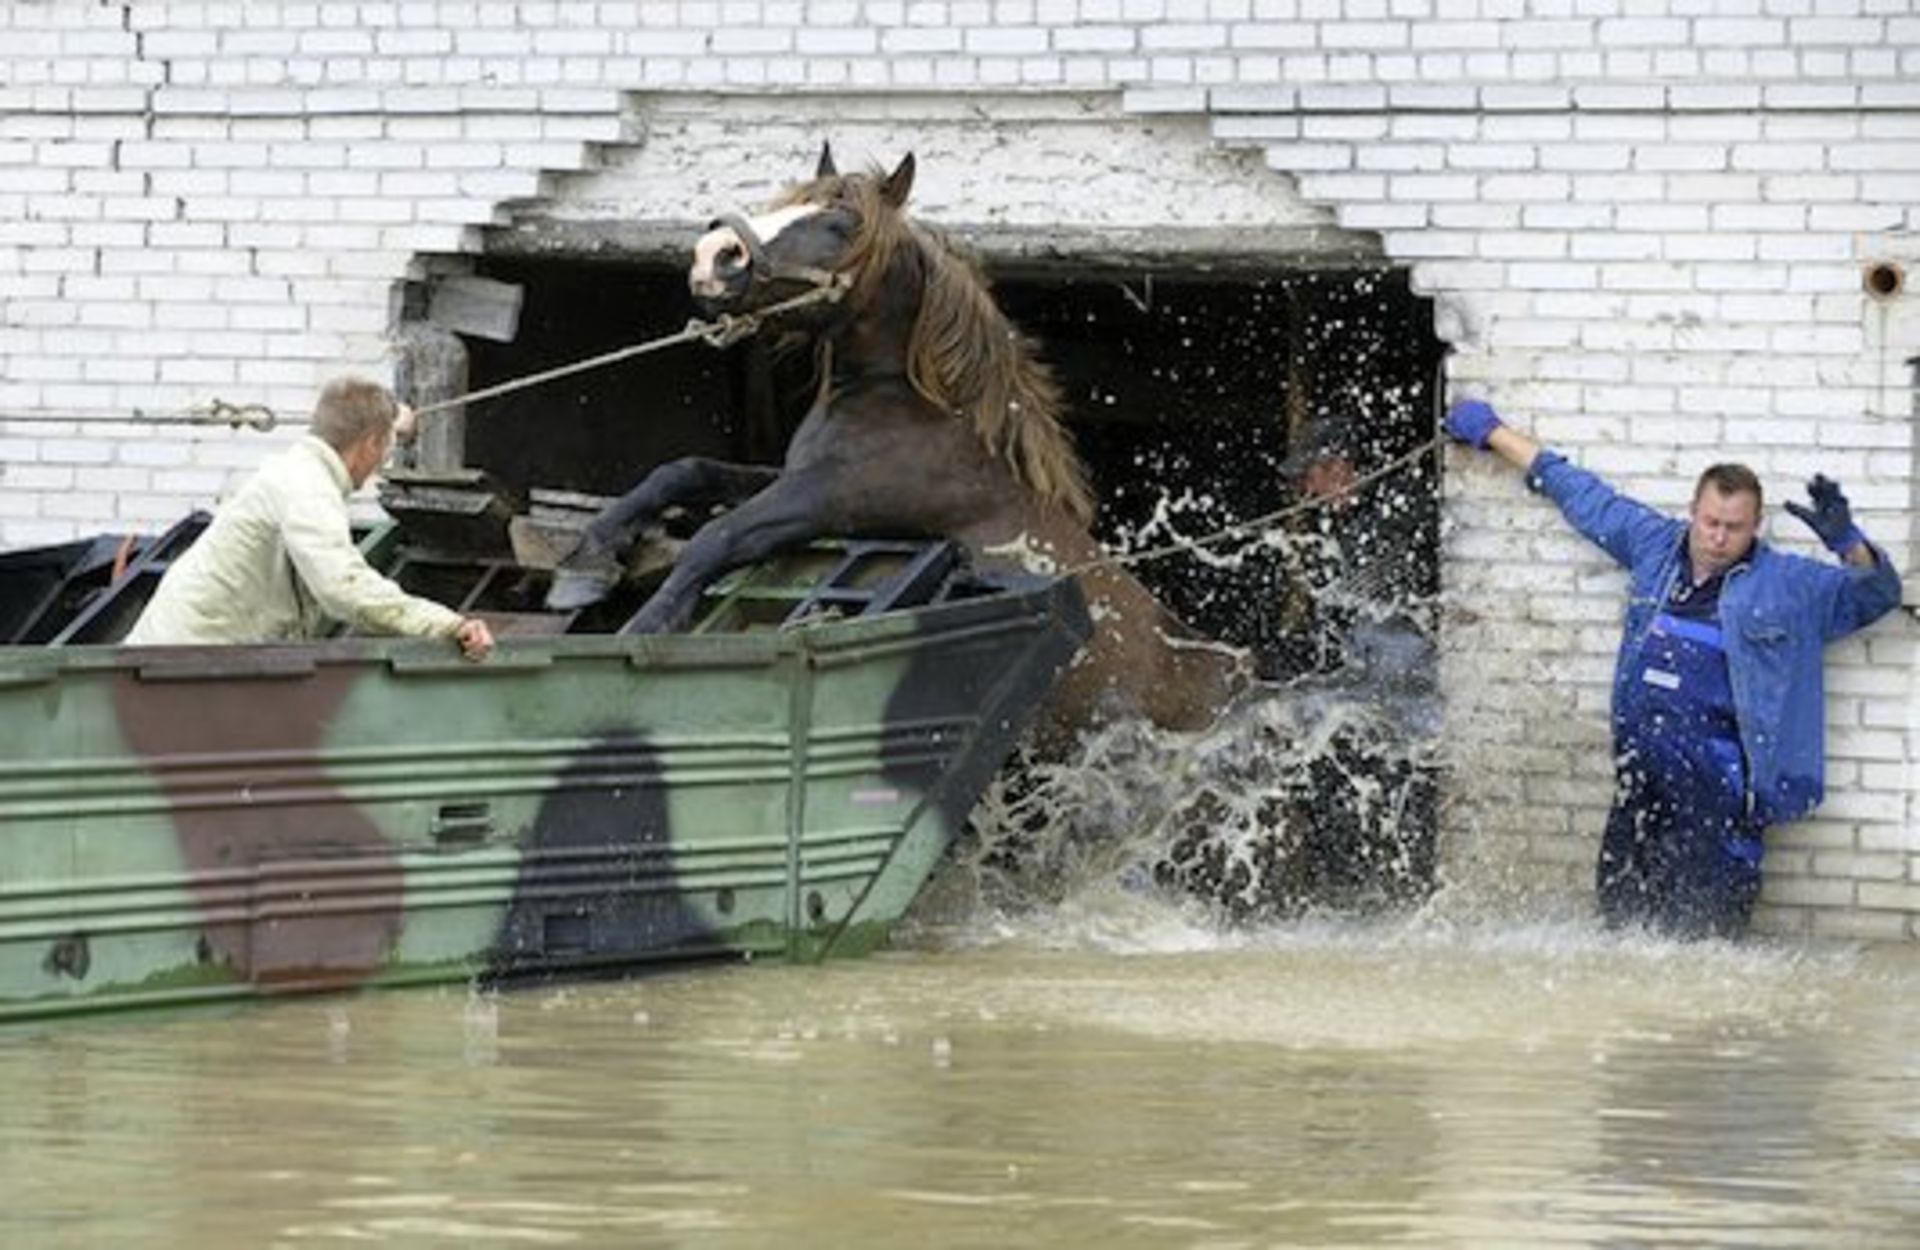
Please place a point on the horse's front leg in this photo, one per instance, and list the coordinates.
(791, 511)
(592, 569)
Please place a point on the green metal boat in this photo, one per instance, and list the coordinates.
(182, 825)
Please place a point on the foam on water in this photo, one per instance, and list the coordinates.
(1317, 793)
(1117, 960)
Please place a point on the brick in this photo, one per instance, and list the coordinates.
(464, 156)
(85, 504)
(583, 128)
(1859, 867)
(152, 453)
(1476, 217)
(1861, 925)
(1027, 41)
(1237, 128)
(1810, 892)
(1904, 898)
(1480, 156)
(1382, 216)
(845, 41)
(1433, 188)
(1371, 36)
(1293, 157)
(205, 483)
(1343, 126)
(1323, 187)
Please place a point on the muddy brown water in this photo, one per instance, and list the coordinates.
(1102, 1079)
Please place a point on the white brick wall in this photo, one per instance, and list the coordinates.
(1643, 226)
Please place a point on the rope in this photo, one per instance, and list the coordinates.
(1264, 521)
(213, 412)
(724, 331)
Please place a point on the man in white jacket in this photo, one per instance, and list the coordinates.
(278, 561)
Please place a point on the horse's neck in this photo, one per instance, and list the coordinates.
(873, 345)
(875, 334)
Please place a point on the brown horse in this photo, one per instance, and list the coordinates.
(933, 418)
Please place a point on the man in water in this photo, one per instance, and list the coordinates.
(1718, 701)
(278, 562)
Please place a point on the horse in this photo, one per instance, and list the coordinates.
(934, 417)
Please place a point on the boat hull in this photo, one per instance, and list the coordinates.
(190, 824)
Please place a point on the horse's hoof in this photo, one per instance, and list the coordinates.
(573, 589)
(644, 622)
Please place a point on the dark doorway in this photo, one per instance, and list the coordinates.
(601, 430)
(1204, 400)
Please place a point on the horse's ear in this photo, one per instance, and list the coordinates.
(899, 182)
(825, 168)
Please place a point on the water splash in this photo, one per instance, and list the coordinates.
(1311, 795)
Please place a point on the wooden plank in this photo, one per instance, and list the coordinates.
(480, 307)
(542, 543)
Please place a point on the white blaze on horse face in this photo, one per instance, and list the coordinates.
(723, 244)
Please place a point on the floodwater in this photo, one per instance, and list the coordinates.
(1114, 1074)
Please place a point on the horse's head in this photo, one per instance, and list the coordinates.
(827, 229)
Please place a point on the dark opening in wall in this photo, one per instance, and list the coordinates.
(601, 430)
(1198, 400)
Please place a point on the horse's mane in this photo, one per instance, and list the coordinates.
(964, 356)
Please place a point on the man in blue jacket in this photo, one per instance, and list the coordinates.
(1718, 699)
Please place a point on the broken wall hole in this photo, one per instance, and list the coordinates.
(1198, 399)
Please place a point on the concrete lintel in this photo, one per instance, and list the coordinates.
(616, 242)
(1226, 250)
(1202, 250)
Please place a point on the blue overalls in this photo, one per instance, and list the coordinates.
(1681, 853)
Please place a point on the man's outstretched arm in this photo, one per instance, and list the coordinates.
(1618, 525)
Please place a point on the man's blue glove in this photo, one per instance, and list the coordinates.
(1830, 517)
(1472, 421)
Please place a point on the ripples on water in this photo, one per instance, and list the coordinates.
(1116, 1070)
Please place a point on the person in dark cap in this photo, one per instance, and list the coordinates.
(1366, 821)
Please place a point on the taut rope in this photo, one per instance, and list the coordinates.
(213, 412)
(723, 331)
(1247, 528)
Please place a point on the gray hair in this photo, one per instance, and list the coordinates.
(349, 409)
